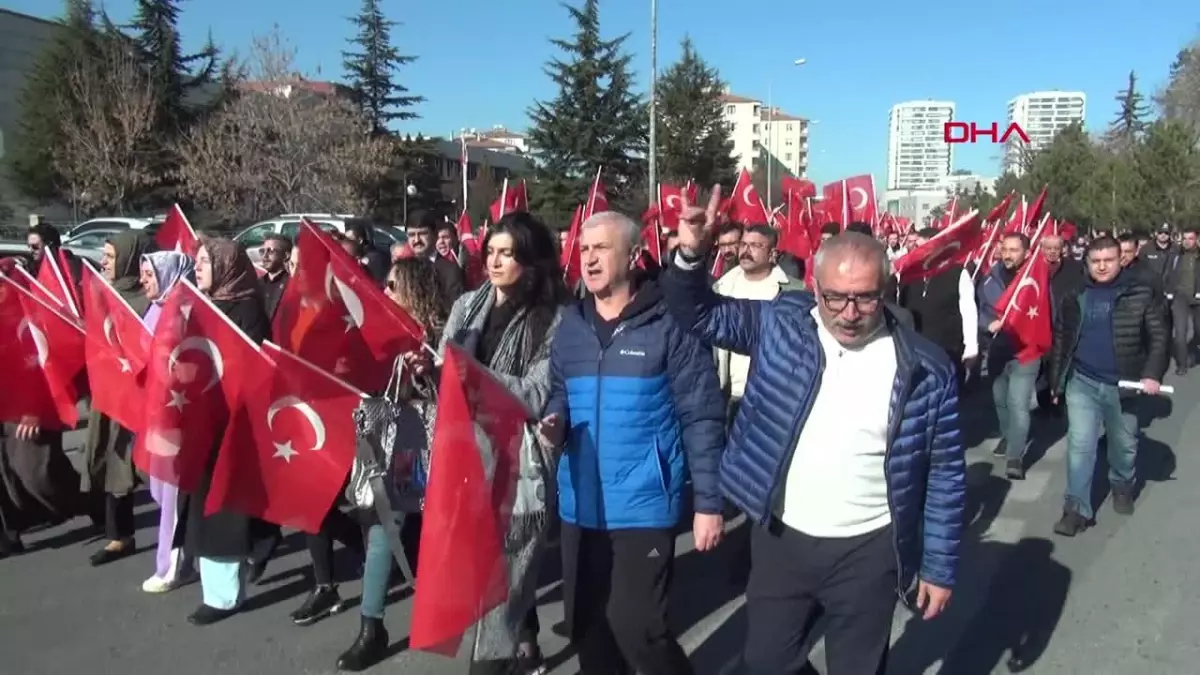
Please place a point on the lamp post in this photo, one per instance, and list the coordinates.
(771, 135)
(653, 150)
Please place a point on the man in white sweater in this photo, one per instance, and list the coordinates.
(756, 277)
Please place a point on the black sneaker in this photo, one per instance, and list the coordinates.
(1001, 449)
(321, 602)
(530, 662)
(1015, 469)
(1070, 524)
(10, 546)
(1122, 500)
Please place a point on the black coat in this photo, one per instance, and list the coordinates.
(224, 534)
(452, 280)
(1140, 334)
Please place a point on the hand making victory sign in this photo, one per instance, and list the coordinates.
(698, 226)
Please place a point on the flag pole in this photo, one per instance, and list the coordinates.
(503, 197)
(465, 161)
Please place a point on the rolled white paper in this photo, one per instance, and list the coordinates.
(1131, 384)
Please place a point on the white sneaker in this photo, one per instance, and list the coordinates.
(157, 585)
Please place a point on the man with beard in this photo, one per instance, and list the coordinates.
(847, 456)
(276, 254)
(729, 244)
(1013, 382)
(1181, 282)
(1154, 255)
(757, 277)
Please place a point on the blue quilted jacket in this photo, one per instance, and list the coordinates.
(924, 465)
(645, 414)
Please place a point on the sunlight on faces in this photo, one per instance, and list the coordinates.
(204, 272)
(1012, 252)
(503, 269)
(1052, 248)
(148, 280)
(445, 242)
(606, 258)
(1104, 264)
(849, 290)
(728, 244)
(108, 260)
(36, 246)
(1188, 240)
(420, 239)
(755, 252)
(397, 290)
(293, 262)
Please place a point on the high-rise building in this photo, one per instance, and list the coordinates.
(761, 134)
(919, 158)
(1041, 114)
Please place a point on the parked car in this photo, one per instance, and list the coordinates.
(94, 239)
(19, 249)
(113, 224)
(288, 225)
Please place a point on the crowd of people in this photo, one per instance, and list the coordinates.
(826, 412)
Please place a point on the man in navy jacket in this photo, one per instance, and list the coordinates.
(846, 452)
(635, 405)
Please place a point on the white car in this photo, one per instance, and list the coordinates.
(109, 224)
(288, 225)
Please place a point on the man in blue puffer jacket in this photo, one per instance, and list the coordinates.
(635, 404)
(846, 452)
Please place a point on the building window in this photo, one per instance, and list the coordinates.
(789, 127)
(729, 110)
(757, 111)
(788, 141)
(787, 156)
(754, 129)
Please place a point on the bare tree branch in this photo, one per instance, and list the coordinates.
(284, 144)
(107, 150)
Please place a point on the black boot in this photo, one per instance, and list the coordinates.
(322, 601)
(368, 649)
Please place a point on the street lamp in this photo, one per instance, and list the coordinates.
(771, 133)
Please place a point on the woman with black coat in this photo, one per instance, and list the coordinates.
(222, 541)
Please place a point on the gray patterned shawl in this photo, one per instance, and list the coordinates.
(525, 369)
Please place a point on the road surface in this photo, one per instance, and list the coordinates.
(1123, 597)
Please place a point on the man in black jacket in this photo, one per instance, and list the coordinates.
(1112, 330)
(1181, 282)
(421, 230)
(1154, 254)
(276, 252)
(374, 261)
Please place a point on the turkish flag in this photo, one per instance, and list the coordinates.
(1024, 309)
(951, 246)
(289, 445)
(859, 192)
(569, 258)
(597, 201)
(470, 252)
(198, 363)
(117, 350)
(745, 205)
(176, 233)
(670, 203)
(468, 503)
(21, 276)
(42, 357)
(795, 233)
(335, 316)
(513, 199)
(51, 276)
(798, 187)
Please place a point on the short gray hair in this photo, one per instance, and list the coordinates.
(853, 245)
(628, 228)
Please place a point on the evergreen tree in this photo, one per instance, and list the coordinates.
(45, 99)
(371, 70)
(595, 121)
(694, 141)
(187, 84)
(1131, 114)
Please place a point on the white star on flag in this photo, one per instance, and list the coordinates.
(285, 451)
(349, 322)
(186, 311)
(31, 362)
(1032, 313)
(125, 366)
(178, 400)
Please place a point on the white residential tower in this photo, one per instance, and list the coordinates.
(918, 156)
(760, 133)
(1041, 114)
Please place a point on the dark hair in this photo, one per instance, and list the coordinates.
(48, 234)
(422, 220)
(285, 244)
(1127, 238)
(541, 288)
(730, 228)
(419, 283)
(767, 231)
(861, 228)
(447, 226)
(1191, 229)
(831, 228)
(360, 231)
(1017, 235)
(1102, 244)
(927, 232)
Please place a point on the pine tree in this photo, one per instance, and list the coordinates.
(1130, 121)
(371, 70)
(595, 121)
(694, 141)
(182, 80)
(45, 99)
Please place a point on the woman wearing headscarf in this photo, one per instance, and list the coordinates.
(222, 541)
(160, 272)
(108, 473)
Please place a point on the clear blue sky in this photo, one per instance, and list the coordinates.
(481, 60)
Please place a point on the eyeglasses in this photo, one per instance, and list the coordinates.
(755, 245)
(865, 303)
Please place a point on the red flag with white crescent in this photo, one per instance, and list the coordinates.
(952, 246)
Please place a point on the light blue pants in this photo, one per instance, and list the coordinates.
(377, 571)
(1013, 386)
(1094, 408)
(221, 582)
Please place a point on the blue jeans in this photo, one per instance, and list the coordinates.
(1093, 407)
(1013, 384)
(377, 571)
(221, 582)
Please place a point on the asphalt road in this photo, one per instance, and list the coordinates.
(1123, 597)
